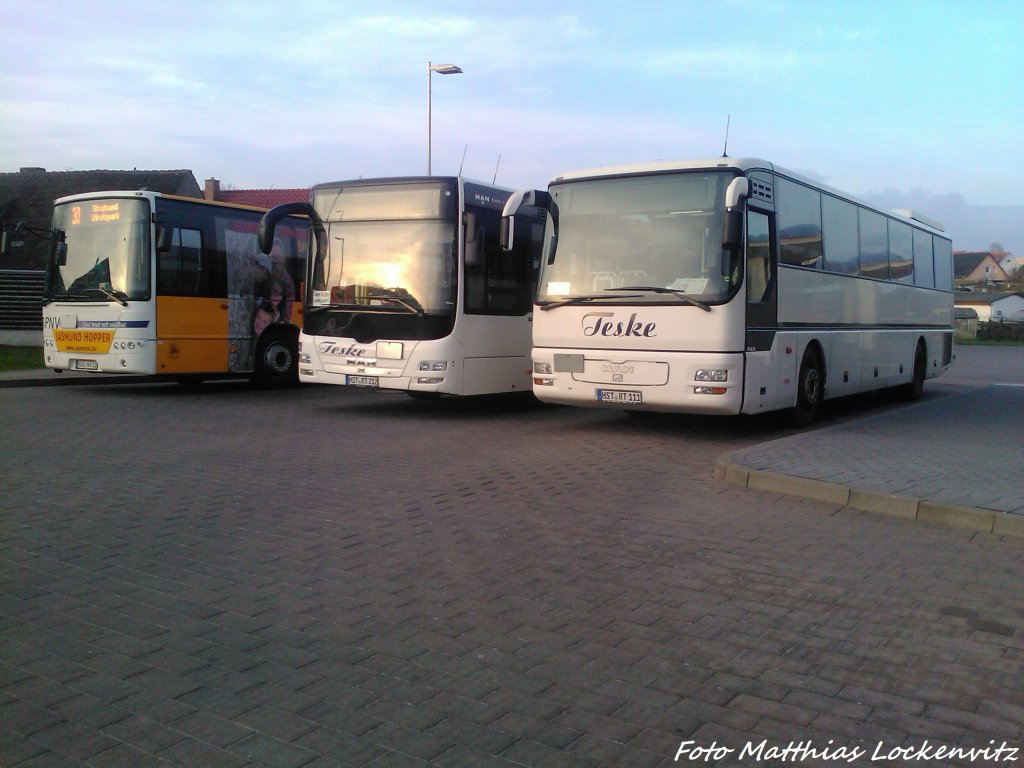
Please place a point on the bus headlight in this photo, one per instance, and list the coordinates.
(434, 365)
(711, 374)
(543, 368)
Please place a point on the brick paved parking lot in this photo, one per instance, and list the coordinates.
(323, 577)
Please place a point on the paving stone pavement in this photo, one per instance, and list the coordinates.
(240, 578)
(958, 459)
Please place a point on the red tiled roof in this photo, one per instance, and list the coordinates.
(263, 198)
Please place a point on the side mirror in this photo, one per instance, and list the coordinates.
(736, 192)
(515, 202)
(472, 239)
(507, 231)
(270, 219)
(164, 238)
(732, 229)
(5, 239)
(59, 245)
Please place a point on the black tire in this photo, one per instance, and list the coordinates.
(810, 389)
(915, 388)
(277, 360)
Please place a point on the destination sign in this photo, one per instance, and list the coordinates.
(98, 213)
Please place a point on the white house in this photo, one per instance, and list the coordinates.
(1008, 308)
(979, 302)
(1011, 263)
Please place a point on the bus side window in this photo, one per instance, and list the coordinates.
(180, 270)
(759, 257)
(799, 224)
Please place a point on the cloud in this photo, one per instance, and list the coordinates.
(972, 227)
(725, 62)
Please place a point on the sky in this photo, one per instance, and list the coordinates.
(904, 103)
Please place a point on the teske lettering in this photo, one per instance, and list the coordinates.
(330, 348)
(598, 324)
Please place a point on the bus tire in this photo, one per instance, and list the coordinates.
(277, 360)
(915, 388)
(810, 388)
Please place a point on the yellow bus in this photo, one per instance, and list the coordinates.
(154, 284)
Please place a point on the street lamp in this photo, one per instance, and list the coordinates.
(441, 69)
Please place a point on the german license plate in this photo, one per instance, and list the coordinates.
(86, 365)
(620, 396)
(361, 381)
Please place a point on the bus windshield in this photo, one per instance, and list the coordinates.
(107, 250)
(662, 233)
(388, 247)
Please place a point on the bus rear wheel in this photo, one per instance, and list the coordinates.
(277, 360)
(915, 388)
(810, 389)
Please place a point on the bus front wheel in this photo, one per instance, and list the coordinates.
(277, 360)
(810, 389)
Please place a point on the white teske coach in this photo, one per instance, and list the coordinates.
(728, 286)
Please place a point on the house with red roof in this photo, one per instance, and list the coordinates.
(977, 268)
(257, 198)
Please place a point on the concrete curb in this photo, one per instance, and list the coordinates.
(729, 470)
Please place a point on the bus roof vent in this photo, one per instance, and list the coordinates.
(907, 213)
(761, 190)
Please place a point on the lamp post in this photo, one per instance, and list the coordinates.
(441, 69)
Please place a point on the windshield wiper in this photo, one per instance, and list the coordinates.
(85, 295)
(584, 299)
(389, 297)
(658, 289)
(111, 295)
(316, 310)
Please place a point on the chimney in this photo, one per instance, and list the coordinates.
(211, 189)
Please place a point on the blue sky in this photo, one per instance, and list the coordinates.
(905, 103)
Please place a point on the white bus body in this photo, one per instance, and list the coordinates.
(147, 283)
(408, 289)
(730, 286)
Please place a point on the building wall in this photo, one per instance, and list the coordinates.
(1008, 309)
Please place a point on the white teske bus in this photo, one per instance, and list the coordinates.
(729, 286)
(407, 287)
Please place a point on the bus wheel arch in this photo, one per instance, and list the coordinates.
(810, 385)
(277, 358)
